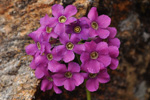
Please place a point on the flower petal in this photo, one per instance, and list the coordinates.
(92, 85)
(59, 79)
(104, 21)
(113, 32)
(114, 42)
(114, 63)
(79, 48)
(59, 29)
(102, 48)
(104, 59)
(31, 49)
(68, 56)
(69, 84)
(103, 33)
(44, 85)
(93, 15)
(70, 20)
(40, 60)
(32, 64)
(57, 90)
(90, 46)
(39, 73)
(103, 76)
(93, 66)
(79, 79)
(54, 66)
(58, 52)
(113, 51)
(70, 10)
(57, 10)
(73, 67)
(84, 57)
(74, 39)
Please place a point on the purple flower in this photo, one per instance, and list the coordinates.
(48, 83)
(95, 57)
(39, 46)
(47, 27)
(70, 77)
(111, 40)
(98, 24)
(66, 51)
(92, 83)
(113, 52)
(63, 16)
(41, 70)
(50, 58)
(79, 28)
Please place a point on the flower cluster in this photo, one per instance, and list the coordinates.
(68, 51)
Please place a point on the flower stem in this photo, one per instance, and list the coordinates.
(88, 95)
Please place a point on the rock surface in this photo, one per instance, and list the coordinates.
(129, 82)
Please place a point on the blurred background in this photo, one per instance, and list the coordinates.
(131, 80)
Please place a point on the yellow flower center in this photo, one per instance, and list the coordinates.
(49, 56)
(94, 55)
(92, 75)
(68, 74)
(94, 25)
(77, 29)
(62, 19)
(48, 29)
(69, 46)
(38, 45)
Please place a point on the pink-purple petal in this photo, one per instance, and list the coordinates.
(113, 32)
(68, 56)
(103, 33)
(102, 48)
(79, 79)
(39, 73)
(44, 85)
(57, 90)
(70, 20)
(59, 79)
(92, 85)
(114, 63)
(70, 10)
(73, 67)
(93, 15)
(93, 66)
(57, 10)
(79, 48)
(69, 84)
(104, 59)
(31, 49)
(113, 51)
(103, 76)
(84, 57)
(59, 29)
(104, 21)
(114, 42)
